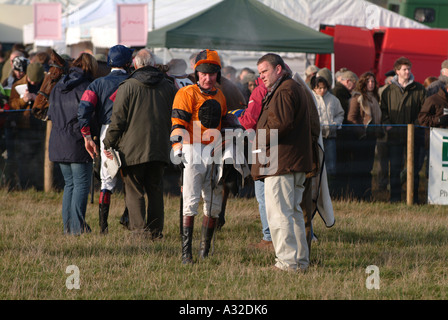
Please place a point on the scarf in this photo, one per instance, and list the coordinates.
(371, 108)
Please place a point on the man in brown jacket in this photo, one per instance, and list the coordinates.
(284, 140)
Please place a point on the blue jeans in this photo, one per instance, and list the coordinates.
(259, 194)
(330, 155)
(77, 177)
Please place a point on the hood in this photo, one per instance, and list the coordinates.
(434, 87)
(148, 75)
(395, 81)
(72, 79)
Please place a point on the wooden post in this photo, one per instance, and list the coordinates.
(410, 166)
(48, 165)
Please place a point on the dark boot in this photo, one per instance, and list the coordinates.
(104, 214)
(187, 239)
(208, 228)
(104, 210)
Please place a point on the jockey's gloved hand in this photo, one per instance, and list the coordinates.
(179, 159)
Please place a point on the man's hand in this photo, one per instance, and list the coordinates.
(28, 97)
(90, 146)
(108, 154)
(178, 159)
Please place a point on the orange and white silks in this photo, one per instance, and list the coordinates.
(195, 114)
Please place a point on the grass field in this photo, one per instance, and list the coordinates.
(409, 246)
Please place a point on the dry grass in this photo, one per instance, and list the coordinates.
(408, 244)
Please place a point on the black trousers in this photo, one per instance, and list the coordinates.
(145, 178)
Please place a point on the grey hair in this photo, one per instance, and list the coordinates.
(144, 58)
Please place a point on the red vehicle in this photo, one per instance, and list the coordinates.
(362, 49)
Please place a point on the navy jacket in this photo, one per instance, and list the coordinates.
(66, 141)
(98, 100)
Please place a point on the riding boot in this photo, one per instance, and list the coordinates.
(187, 239)
(104, 210)
(103, 214)
(208, 228)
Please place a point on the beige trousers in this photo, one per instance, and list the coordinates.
(283, 195)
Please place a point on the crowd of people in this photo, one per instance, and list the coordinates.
(154, 116)
(22, 134)
(374, 122)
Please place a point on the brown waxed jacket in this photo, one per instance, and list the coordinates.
(285, 114)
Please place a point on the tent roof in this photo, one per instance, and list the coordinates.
(11, 23)
(241, 25)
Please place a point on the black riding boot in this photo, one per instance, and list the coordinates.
(104, 210)
(104, 214)
(208, 228)
(187, 239)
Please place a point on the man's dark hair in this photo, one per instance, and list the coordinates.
(402, 61)
(273, 59)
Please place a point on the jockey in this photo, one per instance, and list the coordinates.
(97, 101)
(197, 113)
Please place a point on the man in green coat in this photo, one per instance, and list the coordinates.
(140, 131)
(401, 103)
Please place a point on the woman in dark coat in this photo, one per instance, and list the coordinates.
(364, 111)
(66, 146)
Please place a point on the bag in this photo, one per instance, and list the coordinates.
(113, 165)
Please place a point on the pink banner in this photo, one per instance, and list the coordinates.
(132, 24)
(47, 21)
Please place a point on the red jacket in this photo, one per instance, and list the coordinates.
(250, 116)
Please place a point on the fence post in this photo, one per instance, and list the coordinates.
(410, 166)
(48, 165)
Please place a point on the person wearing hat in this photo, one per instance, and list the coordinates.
(7, 68)
(346, 82)
(326, 73)
(12, 76)
(310, 72)
(30, 131)
(95, 110)
(389, 76)
(197, 114)
(177, 70)
(35, 74)
(18, 71)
